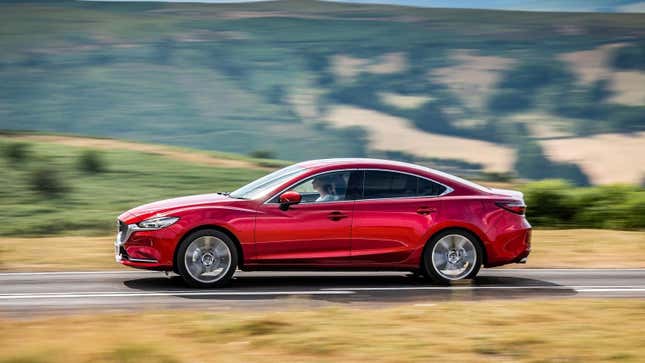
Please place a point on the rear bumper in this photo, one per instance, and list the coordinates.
(510, 247)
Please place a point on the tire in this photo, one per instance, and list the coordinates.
(207, 259)
(452, 255)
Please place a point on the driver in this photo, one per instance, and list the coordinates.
(324, 187)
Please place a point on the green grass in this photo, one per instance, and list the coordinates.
(93, 201)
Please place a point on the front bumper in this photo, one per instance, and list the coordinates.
(144, 248)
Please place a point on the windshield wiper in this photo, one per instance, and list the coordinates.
(223, 193)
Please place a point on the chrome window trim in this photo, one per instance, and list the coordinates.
(446, 192)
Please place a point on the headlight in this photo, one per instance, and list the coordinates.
(157, 222)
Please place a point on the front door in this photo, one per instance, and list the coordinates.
(315, 232)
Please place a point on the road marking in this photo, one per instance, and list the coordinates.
(451, 288)
(55, 273)
(325, 291)
(170, 293)
(608, 290)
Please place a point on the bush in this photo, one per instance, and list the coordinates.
(262, 154)
(549, 203)
(16, 152)
(629, 57)
(47, 181)
(555, 203)
(91, 162)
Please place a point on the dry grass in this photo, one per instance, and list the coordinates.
(582, 248)
(388, 132)
(491, 331)
(403, 101)
(473, 76)
(57, 254)
(605, 158)
(347, 67)
(587, 248)
(592, 65)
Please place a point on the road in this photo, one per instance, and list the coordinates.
(53, 292)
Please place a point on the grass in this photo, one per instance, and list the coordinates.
(93, 201)
(491, 331)
(575, 248)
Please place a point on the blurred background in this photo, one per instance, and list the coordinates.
(490, 94)
(108, 105)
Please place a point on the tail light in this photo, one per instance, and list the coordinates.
(513, 206)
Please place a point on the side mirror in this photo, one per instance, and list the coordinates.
(289, 198)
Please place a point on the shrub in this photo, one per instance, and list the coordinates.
(16, 152)
(262, 154)
(629, 57)
(549, 203)
(47, 181)
(91, 162)
(555, 203)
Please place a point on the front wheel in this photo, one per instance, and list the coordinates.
(452, 255)
(207, 258)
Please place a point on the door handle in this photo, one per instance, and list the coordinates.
(426, 210)
(336, 216)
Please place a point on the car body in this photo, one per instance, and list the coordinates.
(365, 214)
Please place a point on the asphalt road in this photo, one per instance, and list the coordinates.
(57, 292)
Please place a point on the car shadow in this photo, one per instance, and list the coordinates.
(363, 289)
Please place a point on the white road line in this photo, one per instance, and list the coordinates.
(164, 293)
(450, 288)
(327, 291)
(609, 290)
(54, 273)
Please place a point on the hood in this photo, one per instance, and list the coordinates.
(166, 205)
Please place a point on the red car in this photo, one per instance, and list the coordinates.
(334, 214)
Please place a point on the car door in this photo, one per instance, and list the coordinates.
(317, 231)
(392, 216)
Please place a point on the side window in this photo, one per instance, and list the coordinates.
(326, 187)
(385, 184)
(430, 188)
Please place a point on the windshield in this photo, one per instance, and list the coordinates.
(266, 183)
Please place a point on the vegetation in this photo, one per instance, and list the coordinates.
(91, 162)
(51, 195)
(16, 152)
(520, 331)
(630, 57)
(158, 72)
(556, 203)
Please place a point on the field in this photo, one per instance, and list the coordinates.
(550, 331)
(566, 248)
(271, 76)
(88, 203)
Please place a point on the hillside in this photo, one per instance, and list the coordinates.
(472, 91)
(47, 190)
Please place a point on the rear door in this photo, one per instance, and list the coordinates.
(392, 215)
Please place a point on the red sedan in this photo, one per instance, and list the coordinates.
(331, 214)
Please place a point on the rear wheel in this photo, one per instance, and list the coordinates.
(207, 258)
(452, 255)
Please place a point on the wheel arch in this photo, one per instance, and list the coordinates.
(231, 235)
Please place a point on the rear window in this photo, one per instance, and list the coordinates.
(386, 184)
